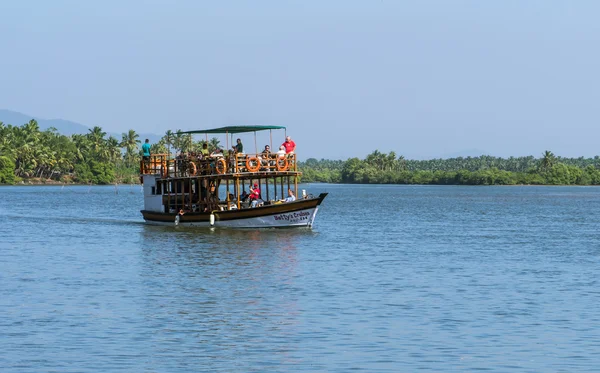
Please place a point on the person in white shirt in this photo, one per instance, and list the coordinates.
(217, 153)
(281, 151)
(291, 197)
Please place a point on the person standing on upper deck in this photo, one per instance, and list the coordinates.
(146, 153)
(146, 150)
(239, 147)
(290, 146)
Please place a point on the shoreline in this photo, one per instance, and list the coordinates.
(61, 184)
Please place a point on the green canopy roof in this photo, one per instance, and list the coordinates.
(236, 129)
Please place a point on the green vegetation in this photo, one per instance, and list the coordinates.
(26, 153)
(381, 168)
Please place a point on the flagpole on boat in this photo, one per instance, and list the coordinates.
(255, 146)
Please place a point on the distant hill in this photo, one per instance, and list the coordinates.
(64, 127)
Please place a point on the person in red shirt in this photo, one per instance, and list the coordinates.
(290, 146)
(255, 196)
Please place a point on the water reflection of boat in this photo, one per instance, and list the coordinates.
(203, 190)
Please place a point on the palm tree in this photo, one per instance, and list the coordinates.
(186, 143)
(130, 142)
(213, 144)
(547, 161)
(390, 161)
(96, 136)
(159, 147)
(168, 138)
(113, 149)
(26, 139)
(178, 140)
(401, 163)
(82, 146)
(197, 146)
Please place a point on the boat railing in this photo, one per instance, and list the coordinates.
(156, 164)
(193, 164)
(261, 162)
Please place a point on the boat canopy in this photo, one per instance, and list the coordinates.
(237, 129)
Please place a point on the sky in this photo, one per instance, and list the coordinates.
(421, 78)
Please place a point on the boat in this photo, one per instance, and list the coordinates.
(201, 190)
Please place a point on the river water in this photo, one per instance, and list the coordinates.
(391, 279)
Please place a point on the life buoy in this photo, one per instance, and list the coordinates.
(282, 164)
(165, 170)
(192, 169)
(252, 164)
(221, 166)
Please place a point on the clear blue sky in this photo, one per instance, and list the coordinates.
(422, 78)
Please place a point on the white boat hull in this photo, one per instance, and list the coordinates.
(300, 218)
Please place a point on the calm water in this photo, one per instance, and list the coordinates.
(391, 279)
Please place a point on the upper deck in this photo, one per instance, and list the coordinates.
(223, 167)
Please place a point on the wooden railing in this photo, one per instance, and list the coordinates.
(157, 164)
(193, 165)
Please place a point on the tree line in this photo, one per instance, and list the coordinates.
(388, 168)
(26, 152)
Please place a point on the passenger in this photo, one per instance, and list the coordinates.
(255, 196)
(281, 151)
(204, 150)
(239, 147)
(217, 153)
(265, 153)
(244, 196)
(290, 198)
(180, 161)
(232, 202)
(289, 145)
(264, 156)
(146, 154)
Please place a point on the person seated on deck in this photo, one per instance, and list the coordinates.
(281, 151)
(217, 153)
(232, 203)
(290, 198)
(255, 196)
(205, 153)
(266, 151)
(264, 156)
